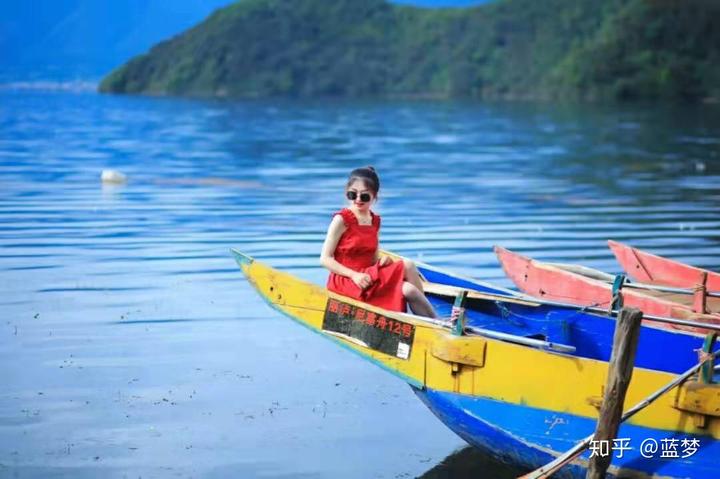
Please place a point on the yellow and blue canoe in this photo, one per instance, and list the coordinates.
(521, 399)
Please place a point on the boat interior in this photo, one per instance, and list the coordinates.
(590, 335)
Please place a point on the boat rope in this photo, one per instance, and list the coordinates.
(455, 313)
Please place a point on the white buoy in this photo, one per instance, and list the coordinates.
(112, 176)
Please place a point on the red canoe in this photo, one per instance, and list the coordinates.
(649, 268)
(588, 287)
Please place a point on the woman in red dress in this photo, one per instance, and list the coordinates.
(350, 252)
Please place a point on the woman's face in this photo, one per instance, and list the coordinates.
(359, 191)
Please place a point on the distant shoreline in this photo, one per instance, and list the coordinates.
(50, 85)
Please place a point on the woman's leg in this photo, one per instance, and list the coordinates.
(412, 275)
(417, 300)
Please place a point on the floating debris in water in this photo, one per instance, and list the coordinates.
(112, 176)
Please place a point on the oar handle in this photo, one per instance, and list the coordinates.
(512, 338)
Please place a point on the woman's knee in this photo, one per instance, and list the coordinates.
(410, 291)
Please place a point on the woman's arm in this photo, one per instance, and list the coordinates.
(335, 230)
(382, 260)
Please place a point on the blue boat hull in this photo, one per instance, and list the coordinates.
(532, 437)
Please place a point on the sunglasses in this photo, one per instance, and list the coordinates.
(353, 195)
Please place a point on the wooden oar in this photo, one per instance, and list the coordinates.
(510, 338)
(552, 467)
(668, 289)
(608, 278)
(447, 290)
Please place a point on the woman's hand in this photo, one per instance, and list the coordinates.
(362, 280)
(384, 261)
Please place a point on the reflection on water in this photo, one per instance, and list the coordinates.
(130, 345)
(468, 462)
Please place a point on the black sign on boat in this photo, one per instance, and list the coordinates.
(370, 329)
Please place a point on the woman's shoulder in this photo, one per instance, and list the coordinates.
(347, 216)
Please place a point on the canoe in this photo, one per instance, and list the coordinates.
(588, 287)
(519, 403)
(652, 269)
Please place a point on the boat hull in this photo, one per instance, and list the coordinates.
(531, 437)
(552, 283)
(652, 269)
(498, 395)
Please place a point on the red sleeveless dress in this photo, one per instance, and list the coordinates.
(356, 250)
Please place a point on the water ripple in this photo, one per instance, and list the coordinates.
(207, 377)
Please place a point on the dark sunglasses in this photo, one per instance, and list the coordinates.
(353, 195)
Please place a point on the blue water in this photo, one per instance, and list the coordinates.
(130, 344)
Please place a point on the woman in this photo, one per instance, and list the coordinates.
(351, 254)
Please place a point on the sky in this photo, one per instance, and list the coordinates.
(62, 39)
(85, 39)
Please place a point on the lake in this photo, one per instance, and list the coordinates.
(132, 346)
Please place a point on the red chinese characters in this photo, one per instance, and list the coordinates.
(369, 319)
(407, 330)
(381, 322)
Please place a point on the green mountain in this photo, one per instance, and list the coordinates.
(512, 49)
